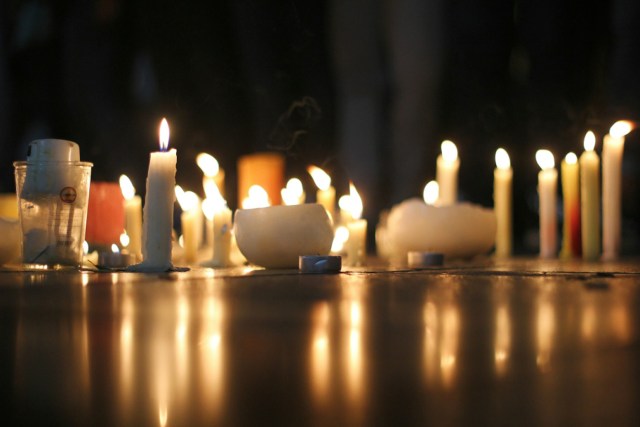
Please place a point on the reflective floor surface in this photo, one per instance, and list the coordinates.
(524, 342)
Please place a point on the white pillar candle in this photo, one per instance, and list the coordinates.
(547, 188)
(158, 207)
(571, 230)
(447, 166)
(293, 193)
(612, 151)
(132, 216)
(190, 221)
(356, 246)
(590, 199)
(326, 195)
(502, 200)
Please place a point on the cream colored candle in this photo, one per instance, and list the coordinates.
(447, 166)
(158, 207)
(356, 245)
(221, 230)
(190, 205)
(213, 173)
(571, 231)
(293, 193)
(326, 195)
(590, 199)
(612, 151)
(502, 200)
(547, 188)
(132, 215)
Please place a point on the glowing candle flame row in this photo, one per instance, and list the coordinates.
(502, 159)
(431, 192)
(589, 141)
(208, 164)
(164, 135)
(545, 159)
(127, 188)
(320, 177)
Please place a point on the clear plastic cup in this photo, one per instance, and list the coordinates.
(52, 203)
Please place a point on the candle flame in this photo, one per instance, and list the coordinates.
(320, 177)
(293, 193)
(449, 151)
(344, 202)
(621, 128)
(214, 202)
(339, 239)
(208, 209)
(355, 206)
(208, 164)
(502, 159)
(164, 135)
(545, 159)
(589, 141)
(571, 158)
(127, 188)
(85, 247)
(431, 193)
(188, 200)
(115, 249)
(124, 239)
(257, 198)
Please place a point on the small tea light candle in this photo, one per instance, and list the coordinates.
(571, 240)
(293, 193)
(190, 205)
(502, 199)
(612, 151)
(547, 188)
(590, 199)
(132, 215)
(326, 195)
(212, 171)
(357, 243)
(447, 166)
(158, 207)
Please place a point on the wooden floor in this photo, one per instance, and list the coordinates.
(522, 342)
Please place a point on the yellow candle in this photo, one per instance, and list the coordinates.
(571, 240)
(190, 204)
(447, 166)
(612, 189)
(326, 195)
(590, 199)
(356, 245)
(547, 188)
(132, 215)
(502, 196)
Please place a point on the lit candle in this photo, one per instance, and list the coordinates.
(547, 187)
(221, 231)
(190, 205)
(326, 195)
(502, 196)
(293, 193)
(257, 197)
(612, 189)
(447, 167)
(590, 199)
(357, 242)
(571, 240)
(132, 215)
(158, 207)
(212, 171)
(431, 193)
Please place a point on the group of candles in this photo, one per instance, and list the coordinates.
(580, 188)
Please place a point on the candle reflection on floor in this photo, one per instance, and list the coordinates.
(545, 332)
(441, 341)
(211, 349)
(502, 339)
(320, 356)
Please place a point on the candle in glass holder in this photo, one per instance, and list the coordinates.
(571, 229)
(447, 166)
(612, 151)
(590, 199)
(547, 188)
(326, 194)
(132, 215)
(502, 199)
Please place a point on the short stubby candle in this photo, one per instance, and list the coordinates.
(547, 188)
(502, 200)
(590, 199)
(612, 150)
(158, 207)
(571, 230)
(132, 215)
(447, 166)
(326, 194)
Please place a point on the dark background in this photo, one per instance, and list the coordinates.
(518, 74)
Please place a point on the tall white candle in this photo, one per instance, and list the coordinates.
(190, 221)
(547, 188)
(612, 151)
(502, 199)
(158, 206)
(357, 242)
(222, 227)
(447, 166)
(326, 195)
(590, 199)
(132, 215)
